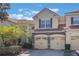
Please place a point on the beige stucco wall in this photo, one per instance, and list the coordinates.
(70, 32)
(46, 15)
(62, 20)
(68, 18)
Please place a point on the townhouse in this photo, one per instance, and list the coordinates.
(54, 32)
(49, 30)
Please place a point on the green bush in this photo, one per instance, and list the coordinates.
(11, 50)
(30, 40)
(67, 46)
(4, 50)
(15, 49)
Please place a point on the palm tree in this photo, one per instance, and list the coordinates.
(3, 11)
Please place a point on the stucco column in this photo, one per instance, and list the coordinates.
(32, 40)
(68, 37)
(48, 42)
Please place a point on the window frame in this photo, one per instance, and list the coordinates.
(45, 24)
(74, 20)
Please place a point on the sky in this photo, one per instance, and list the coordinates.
(28, 10)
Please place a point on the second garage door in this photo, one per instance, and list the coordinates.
(75, 43)
(57, 42)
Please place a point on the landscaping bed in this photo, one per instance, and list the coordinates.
(10, 51)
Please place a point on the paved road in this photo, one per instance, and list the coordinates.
(43, 53)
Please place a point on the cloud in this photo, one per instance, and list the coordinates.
(55, 9)
(20, 16)
(24, 13)
(20, 10)
(34, 12)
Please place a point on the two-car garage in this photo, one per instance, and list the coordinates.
(55, 41)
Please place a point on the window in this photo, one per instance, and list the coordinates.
(45, 24)
(75, 20)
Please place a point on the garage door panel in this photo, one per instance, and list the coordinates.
(57, 43)
(37, 43)
(52, 44)
(75, 43)
(42, 42)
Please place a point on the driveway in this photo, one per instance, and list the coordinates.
(43, 53)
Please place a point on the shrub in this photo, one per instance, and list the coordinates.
(4, 51)
(11, 50)
(27, 45)
(67, 46)
(15, 49)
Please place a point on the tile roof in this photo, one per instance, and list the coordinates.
(55, 14)
(76, 11)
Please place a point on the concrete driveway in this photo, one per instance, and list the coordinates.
(43, 53)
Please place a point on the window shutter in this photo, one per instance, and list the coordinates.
(39, 23)
(71, 20)
(51, 22)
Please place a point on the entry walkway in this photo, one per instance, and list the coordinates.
(43, 53)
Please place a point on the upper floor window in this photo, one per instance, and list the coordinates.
(75, 20)
(45, 24)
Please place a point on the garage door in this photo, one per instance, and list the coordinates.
(75, 43)
(41, 42)
(57, 42)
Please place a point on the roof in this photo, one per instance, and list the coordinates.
(23, 21)
(75, 11)
(10, 20)
(55, 14)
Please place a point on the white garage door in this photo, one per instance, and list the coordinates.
(75, 43)
(41, 42)
(57, 42)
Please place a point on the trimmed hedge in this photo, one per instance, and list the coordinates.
(10, 51)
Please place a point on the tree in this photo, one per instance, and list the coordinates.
(10, 35)
(3, 11)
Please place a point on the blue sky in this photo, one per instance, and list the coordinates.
(28, 10)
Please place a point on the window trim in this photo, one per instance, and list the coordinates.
(73, 20)
(45, 27)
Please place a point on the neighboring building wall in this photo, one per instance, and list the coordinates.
(72, 31)
(26, 25)
(7, 23)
